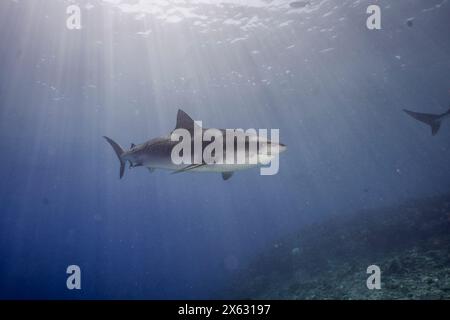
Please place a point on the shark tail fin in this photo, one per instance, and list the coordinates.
(432, 120)
(119, 152)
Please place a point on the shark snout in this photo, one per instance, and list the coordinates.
(277, 148)
(272, 148)
(282, 147)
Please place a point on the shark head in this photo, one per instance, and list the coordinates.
(269, 150)
(281, 148)
(269, 147)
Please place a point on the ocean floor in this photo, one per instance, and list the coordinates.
(409, 243)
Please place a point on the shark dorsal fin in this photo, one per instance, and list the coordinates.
(184, 121)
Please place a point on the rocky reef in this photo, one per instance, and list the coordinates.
(410, 243)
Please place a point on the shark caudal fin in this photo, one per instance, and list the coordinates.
(432, 120)
(119, 152)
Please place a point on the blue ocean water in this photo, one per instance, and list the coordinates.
(335, 90)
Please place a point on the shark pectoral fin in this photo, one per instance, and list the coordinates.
(189, 167)
(227, 175)
(151, 170)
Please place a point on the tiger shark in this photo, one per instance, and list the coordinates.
(157, 153)
(433, 120)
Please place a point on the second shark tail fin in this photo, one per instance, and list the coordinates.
(119, 152)
(432, 120)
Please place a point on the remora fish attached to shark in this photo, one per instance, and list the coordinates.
(433, 120)
(157, 153)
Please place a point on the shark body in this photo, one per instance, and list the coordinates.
(156, 153)
(433, 120)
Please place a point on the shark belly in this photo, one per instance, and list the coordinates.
(205, 168)
(224, 167)
(166, 163)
